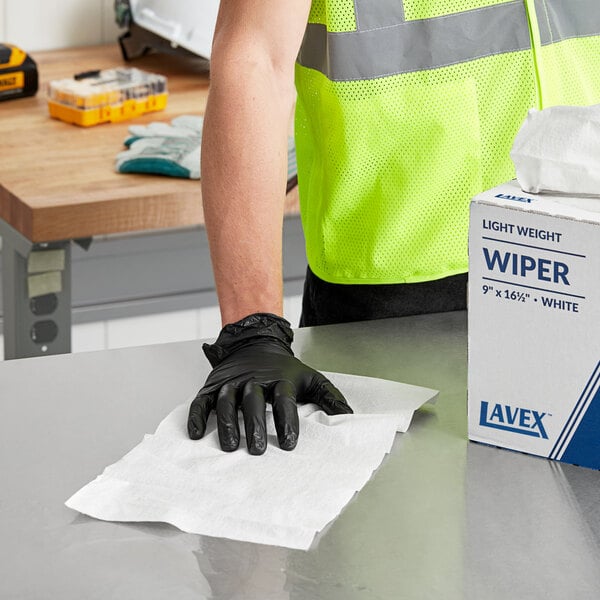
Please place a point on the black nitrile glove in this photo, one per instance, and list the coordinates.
(253, 363)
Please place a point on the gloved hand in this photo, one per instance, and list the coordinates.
(253, 363)
(164, 149)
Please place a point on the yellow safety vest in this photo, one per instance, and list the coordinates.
(407, 109)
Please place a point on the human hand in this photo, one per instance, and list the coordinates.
(253, 365)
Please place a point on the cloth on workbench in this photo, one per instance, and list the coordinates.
(558, 150)
(280, 498)
(173, 149)
(163, 149)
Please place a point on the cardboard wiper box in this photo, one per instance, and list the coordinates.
(534, 324)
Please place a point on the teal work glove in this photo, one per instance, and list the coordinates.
(185, 126)
(164, 149)
(174, 150)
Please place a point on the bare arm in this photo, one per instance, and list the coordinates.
(244, 149)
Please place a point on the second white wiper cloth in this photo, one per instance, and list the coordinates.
(280, 498)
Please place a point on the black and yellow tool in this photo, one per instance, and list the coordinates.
(18, 73)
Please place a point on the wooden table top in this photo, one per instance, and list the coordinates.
(57, 181)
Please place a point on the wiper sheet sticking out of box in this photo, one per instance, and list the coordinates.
(558, 150)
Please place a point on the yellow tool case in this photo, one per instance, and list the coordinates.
(18, 73)
(106, 96)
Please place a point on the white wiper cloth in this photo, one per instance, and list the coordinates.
(558, 150)
(280, 498)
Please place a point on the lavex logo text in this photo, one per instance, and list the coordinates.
(515, 198)
(518, 420)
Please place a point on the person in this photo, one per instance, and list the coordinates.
(404, 112)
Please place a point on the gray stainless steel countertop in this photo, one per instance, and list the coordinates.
(441, 518)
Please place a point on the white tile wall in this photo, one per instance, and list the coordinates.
(292, 307)
(152, 329)
(88, 336)
(47, 24)
(110, 31)
(157, 329)
(209, 322)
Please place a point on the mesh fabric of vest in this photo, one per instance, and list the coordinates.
(387, 166)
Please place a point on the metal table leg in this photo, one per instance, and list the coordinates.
(37, 304)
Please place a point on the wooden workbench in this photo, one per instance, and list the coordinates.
(58, 181)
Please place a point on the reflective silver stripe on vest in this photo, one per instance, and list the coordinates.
(371, 14)
(565, 19)
(416, 45)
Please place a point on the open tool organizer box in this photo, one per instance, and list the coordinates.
(106, 96)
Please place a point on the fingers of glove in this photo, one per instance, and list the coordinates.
(285, 415)
(198, 415)
(156, 129)
(227, 418)
(254, 410)
(190, 123)
(330, 399)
